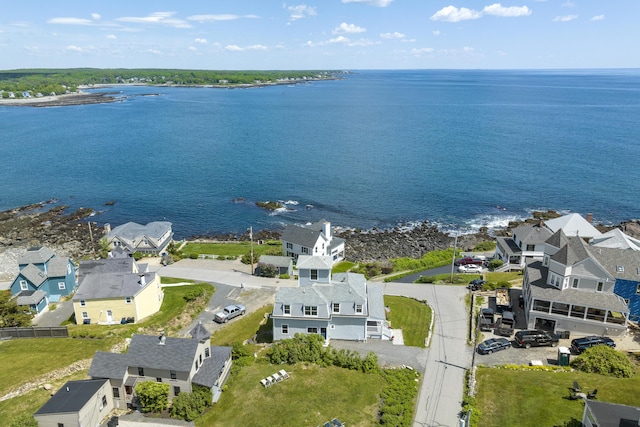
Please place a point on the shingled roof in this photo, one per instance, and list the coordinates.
(71, 397)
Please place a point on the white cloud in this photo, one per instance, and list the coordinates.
(345, 28)
(436, 33)
(339, 39)
(153, 51)
(73, 48)
(362, 42)
(301, 11)
(200, 41)
(221, 17)
(192, 49)
(597, 18)
(70, 21)
(565, 18)
(395, 35)
(160, 18)
(420, 51)
(111, 37)
(376, 3)
(95, 16)
(236, 48)
(498, 10)
(468, 49)
(408, 40)
(453, 14)
(233, 48)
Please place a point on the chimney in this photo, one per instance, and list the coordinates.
(67, 389)
(162, 339)
(107, 228)
(143, 281)
(589, 217)
(541, 223)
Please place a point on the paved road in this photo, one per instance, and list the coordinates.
(448, 356)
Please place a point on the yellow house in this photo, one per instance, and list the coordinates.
(114, 291)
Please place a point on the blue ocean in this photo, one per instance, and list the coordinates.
(374, 149)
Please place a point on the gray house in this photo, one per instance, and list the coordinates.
(283, 264)
(179, 362)
(343, 307)
(313, 239)
(526, 243)
(150, 239)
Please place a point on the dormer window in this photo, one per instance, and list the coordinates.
(359, 308)
(336, 307)
(600, 286)
(574, 285)
(620, 268)
(286, 309)
(545, 261)
(310, 310)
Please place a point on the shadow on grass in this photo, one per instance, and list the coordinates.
(265, 332)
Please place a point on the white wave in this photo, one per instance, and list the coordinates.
(291, 202)
(280, 211)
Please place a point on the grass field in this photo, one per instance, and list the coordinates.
(312, 396)
(243, 328)
(412, 316)
(536, 398)
(231, 249)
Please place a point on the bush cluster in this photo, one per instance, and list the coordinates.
(398, 397)
(189, 406)
(308, 348)
(193, 295)
(604, 360)
(267, 270)
(372, 269)
(485, 246)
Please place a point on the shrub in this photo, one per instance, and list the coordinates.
(495, 263)
(246, 258)
(24, 421)
(486, 246)
(189, 406)
(267, 270)
(137, 255)
(193, 295)
(398, 397)
(193, 256)
(285, 276)
(153, 396)
(426, 279)
(604, 360)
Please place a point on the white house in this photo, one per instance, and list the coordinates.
(312, 239)
(343, 307)
(151, 239)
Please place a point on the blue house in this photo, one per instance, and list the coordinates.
(43, 278)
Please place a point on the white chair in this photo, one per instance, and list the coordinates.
(277, 377)
(271, 380)
(284, 374)
(264, 383)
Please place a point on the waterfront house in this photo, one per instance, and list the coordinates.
(343, 306)
(77, 403)
(525, 244)
(116, 290)
(572, 289)
(179, 362)
(150, 239)
(43, 277)
(313, 239)
(282, 264)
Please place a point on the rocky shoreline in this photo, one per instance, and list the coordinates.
(81, 98)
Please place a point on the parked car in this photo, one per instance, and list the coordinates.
(229, 312)
(529, 339)
(493, 344)
(468, 260)
(578, 345)
(476, 284)
(470, 268)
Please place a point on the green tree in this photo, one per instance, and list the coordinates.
(267, 270)
(190, 406)
(137, 255)
(11, 314)
(154, 396)
(604, 360)
(105, 247)
(495, 263)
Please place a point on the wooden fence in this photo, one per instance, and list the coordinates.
(35, 332)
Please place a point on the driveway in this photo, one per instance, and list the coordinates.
(63, 312)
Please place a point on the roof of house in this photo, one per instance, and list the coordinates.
(619, 263)
(33, 274)
(532, 234)
(133, 230)
(509, 245)
(36, 255)
(613, 414)
(376, 301)
(571, 253)
(200, 333)
(537, 274)
(314, 262)
(558, 239)
(112, 285)
(616, 239)
(71, 397)
(30, 297)
(108, 365)
(57, 267)
(110, 265)
(175, 354)
(573, 225)
(277, 261)
(212, 366)
(302, 236)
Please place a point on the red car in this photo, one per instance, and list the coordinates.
(468, 260)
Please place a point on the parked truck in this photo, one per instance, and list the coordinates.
(506, 324)
(503, 300)
(486, 320)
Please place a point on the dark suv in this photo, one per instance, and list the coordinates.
(578, 345)
(529, 339)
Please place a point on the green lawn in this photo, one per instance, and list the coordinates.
(243, 328)
(312, 396)
(410, 315)
(503, 277)
(231, 249)
(537, 398)
(342, 267)
(25, 359)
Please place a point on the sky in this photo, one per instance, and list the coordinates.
(320, 34)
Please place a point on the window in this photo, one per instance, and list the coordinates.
(116, 393)
(85, 315)
(310, 310)
(176, 390)
(23, 285)
(173, 375)
(61, 286)
(336, 307)
(600, 286)
(314, 274)
(196, 365)
(286, 309)
(104, 402)
(158, 379)
(289, 245)
(359, 308)
(575, 283)
(545, 261)
(127, 300)
(60, 425)
(206, 352)
(312, 330)
(305, 250)
(83, 303)
(141, 372)
(68, 269)
(531, 247)
(638, 290)
(201, 359)
(285, 329)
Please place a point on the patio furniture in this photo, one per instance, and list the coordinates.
(265, 383)
(277, 377)
(284, 374)
(271, 380)
(592, 395)
(336, 422)
(576, 387)
(573, 395)
(327, 424)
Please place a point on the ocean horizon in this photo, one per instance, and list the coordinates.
(461, 149)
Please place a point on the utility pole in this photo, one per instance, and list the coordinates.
(453, 258)
(251, 238)
(93, 246)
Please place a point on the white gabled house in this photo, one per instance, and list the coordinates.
(343, 307)
(150, 239)
(313, 239)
